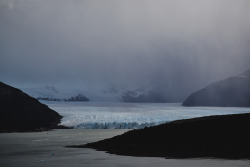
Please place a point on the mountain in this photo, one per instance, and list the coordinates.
(214, 136)
(144, 96)
(20, 112)
(49, 92)
(52, 93)
(108, 94)
(231, 92)
(79, 97)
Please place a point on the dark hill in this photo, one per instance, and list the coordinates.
(215, 136)
(20, 112)
(231, 92)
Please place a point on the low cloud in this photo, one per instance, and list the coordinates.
(173, 47)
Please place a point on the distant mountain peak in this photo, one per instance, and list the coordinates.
(230, 92)
(52, 88)
(245, 74)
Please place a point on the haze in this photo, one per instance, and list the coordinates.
(172, 46)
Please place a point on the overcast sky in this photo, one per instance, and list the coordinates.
(175, 46)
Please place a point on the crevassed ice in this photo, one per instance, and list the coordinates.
(97, 115)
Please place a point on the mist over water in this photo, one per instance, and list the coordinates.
(173, 47)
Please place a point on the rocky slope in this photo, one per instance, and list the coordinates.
(20, 112)
(231, 92)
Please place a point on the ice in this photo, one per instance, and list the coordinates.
(106, 115)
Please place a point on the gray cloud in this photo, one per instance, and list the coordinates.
(173, 46)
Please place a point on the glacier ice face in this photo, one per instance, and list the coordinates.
(116, 115)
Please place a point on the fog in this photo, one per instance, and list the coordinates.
(172, 46)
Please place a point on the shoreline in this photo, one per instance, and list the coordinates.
(48, 149)
(211, 136)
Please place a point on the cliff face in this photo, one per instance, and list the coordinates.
(231, 92)
(20, 112)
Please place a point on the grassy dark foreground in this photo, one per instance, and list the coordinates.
(214, 136)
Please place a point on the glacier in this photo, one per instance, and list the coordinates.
(118, 115)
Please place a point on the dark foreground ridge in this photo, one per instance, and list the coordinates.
(20, 112)
(231, 92)
(214, 136)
